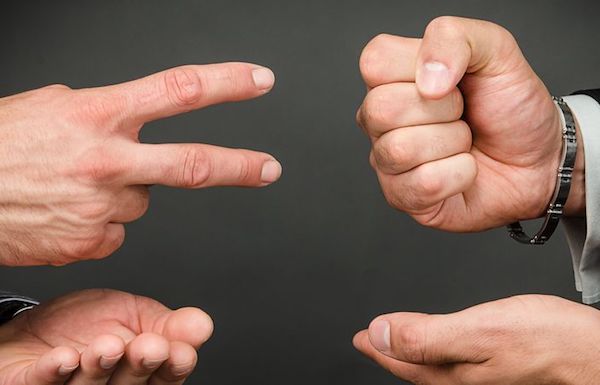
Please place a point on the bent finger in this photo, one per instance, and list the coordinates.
(53, 368)
(397, 105)
(401, 150)
(427, 186)
(389, 59)
(182, 361)
(99, 360)
(143, 356)
(131, 204)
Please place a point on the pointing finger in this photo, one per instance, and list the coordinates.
(182, 89)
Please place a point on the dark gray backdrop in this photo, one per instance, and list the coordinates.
(288, 273)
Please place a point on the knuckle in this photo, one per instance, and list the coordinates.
(183, 86)
(245, 170)
(99, 166)
(427, 183)
(99, 109)
(114, 243)
(456, 104)
(445, 25)
(410, 339)
(393, 152)
(141, 204)
(465, 136)
(370, 57)
(378, 109)
(93, 212)
(47, 93)
(83, 248)
(195, 169)
(503, 34)
(359, 118)
(372, 160)
(393, 198)
(144, 202)
(57, 86)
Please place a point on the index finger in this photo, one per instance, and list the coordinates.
(389, 59)
(183, 89)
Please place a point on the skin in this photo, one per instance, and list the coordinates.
(465, 137)
(525, 340)
(98, 337)
(74, 172)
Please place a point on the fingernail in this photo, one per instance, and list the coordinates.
(109, 362)
(65, 370)
(271, 171)
(152, 364)
(435, 77)
(379, 334)
(263, 78)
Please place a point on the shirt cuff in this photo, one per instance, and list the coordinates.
(583, 234)
(11, 305)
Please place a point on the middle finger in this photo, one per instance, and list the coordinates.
(397, 105)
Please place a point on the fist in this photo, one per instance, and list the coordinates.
(73, 171)
(465, 136)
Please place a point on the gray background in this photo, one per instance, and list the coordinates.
(290, 272)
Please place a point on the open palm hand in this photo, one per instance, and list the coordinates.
(102, 337)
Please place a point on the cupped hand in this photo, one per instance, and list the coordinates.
(525, 340)
(73, 170)
(465, 136)
(98, 337)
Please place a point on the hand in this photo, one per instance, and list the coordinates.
(465, 135)
(526, 340)
(72, 169)
(98, 337)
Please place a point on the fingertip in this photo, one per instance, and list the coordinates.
(359, 339)
(264, 79)
(60, 362)
(149, 349)
(182, 359)
(271, 171)
(104, 352)
(189, 325)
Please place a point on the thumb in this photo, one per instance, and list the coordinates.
(453, 47)
(428, 339)
(189, 325)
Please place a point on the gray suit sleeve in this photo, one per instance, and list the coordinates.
(583, 234)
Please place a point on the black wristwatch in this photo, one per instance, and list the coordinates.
(12, 305)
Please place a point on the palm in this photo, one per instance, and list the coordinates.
(516, 142)
(76, 320)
